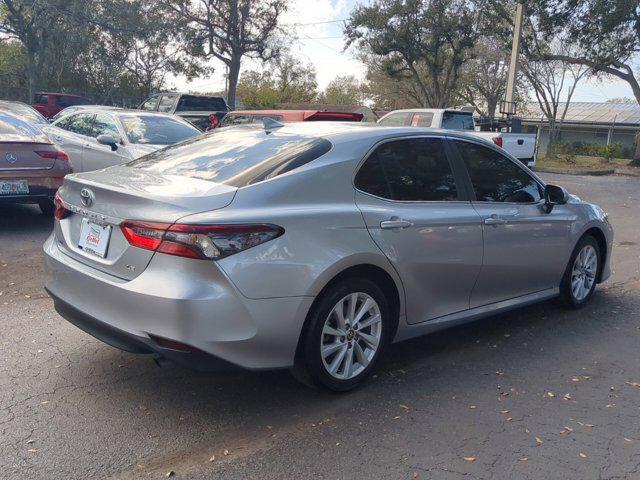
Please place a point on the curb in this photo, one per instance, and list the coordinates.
(575, 172)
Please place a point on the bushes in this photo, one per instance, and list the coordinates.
(615, 150)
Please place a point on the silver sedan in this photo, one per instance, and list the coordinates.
(313, 246)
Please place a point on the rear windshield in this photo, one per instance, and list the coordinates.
(239, 158)
(11, 125)
(457, 121)
(191, 103)
(24, 111)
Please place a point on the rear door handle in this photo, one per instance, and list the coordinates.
(494, 220)
(395, 223)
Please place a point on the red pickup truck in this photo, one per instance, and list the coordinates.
(48, 104)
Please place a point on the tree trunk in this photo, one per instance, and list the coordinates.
(31, 75)
(636, 156)
(234, 73)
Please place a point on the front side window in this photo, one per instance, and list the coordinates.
(151, 104)
(400, 119)
(166, 103)
(415, 169)
(81, 123)
(495, 178)
(104, 125)
(237, 158)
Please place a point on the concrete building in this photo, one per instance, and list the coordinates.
(589, 122)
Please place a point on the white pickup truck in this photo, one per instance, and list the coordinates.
(520, 145)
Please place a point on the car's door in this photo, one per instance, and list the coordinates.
(420, 217)
(71, 133)
(524, 247)
(97, 155)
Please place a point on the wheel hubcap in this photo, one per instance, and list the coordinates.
(351, 336)
(583, 275)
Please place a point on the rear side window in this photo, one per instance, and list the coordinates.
(150, 104)
(237, 158)
(68, 101)
(422, 119)
(495, 178)
(414, 169)
(400, 119)
(201, 104)
(457, 121)
(41, 99)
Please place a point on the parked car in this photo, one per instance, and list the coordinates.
(201, 110)
(313, 246)
(76, 108)
(48, 103)
(23, 111)
(243, 117)
(99, 138)
(520, 145)
(31, 166)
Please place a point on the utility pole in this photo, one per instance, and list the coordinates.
(508, 107)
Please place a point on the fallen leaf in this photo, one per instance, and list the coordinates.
(524, 459)
(414, 476)
(567, 397)
(29, 442)
(142, 407)
(396, 417)
(504, 411)
(509, 419)
(32, 450)
(213, 458)
(551, 394)
(404, 407)
(628, 440)
(582, 455)
(472, 407)
(226, 452)
(575, 379)
(470, 459)
(170, 474)
(499, 372)
(538, 441)
(44, 402)
(633, 384)
(586, 377)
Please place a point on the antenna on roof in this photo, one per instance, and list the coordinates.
(270, 124)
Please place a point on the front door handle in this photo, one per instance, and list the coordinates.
(494, 220)
(395, 222)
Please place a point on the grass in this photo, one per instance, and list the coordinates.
(581, 163)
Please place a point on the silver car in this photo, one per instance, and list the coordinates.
(313, 246)
(101, 137)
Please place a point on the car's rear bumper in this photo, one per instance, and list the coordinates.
(40, 187)
(183, 300)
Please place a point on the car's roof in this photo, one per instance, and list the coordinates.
(60, 94)
(428, 110)
(338, 132)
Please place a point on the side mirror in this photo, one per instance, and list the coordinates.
(554, 195)
(108, 140)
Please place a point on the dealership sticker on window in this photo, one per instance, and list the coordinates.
(94, 238)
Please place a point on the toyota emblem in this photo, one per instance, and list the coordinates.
(87, 197)
(11, 157)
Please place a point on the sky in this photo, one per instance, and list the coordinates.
(318, 40)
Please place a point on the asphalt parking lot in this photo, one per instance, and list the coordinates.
(540, 393)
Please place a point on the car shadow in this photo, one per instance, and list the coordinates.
(24, 220)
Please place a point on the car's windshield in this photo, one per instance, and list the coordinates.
(238, 158)
(457, 121)
(24, 111)
(156, 129)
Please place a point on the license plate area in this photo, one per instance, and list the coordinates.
(94, 238)
(14, 187)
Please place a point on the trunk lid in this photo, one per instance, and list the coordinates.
(23, 156)
(520, 145)
(121, 193)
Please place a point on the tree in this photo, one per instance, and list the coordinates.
(343, 90)
(554, 83)
(285, 81)
(230, 30)
(426, 41)
(13, 76)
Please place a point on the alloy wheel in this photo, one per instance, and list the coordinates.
(351, 336)
(583, 274)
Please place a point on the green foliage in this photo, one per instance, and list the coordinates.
(285, 81)
(608, 152)
(13, 76)
(343, 90)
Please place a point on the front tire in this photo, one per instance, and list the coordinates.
(347, 330)
(580, 277)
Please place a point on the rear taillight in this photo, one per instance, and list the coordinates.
(55, 154)
(208, 242)
(59, 211)
(497, 141)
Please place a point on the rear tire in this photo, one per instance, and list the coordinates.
(346, 332)
(46, 207)
(580, 277)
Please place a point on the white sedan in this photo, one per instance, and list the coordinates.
(100, 138)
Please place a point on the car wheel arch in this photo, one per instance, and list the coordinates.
(391, 287)
(600, 237)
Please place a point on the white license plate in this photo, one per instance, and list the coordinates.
(14, 187)
(94, 238)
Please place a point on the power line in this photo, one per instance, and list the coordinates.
(316, 23)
